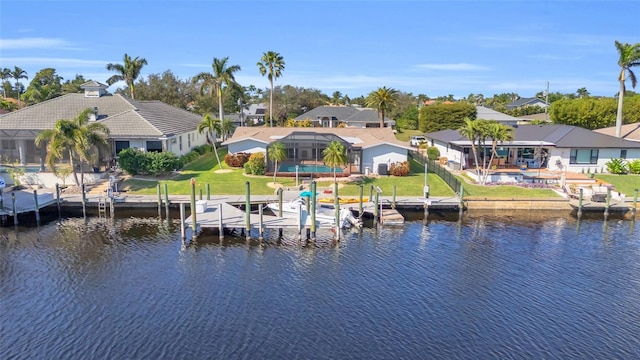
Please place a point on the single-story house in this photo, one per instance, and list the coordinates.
(490, 114)
(369, 151)
(627, 131)
(146, 125)
(553, 147)
(350, 116)
(523, 102)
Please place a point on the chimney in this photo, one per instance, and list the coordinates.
(94, 115)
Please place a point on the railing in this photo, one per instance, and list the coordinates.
(435, 168)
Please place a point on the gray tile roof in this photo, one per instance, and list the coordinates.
(628, 131)
(124, 117)
(348, 114)
(562, 136)
(524, 101)
(490, 114)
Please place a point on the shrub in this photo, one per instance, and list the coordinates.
(203, 149)
(133, 161)
(161, 162)
(433, 153)
(634, 166)
(399, 169)
(617, 166)
(237, 159)
(189, 157)
(256, 164)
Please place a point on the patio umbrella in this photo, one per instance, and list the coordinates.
(307, 194)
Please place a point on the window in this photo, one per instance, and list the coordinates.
(180, 142)
(623, 154)
(188, 141)
(583, 156)
(121, 145)
(154, 146)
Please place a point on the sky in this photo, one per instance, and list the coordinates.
(422, 47)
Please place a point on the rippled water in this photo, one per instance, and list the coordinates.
(487, 287)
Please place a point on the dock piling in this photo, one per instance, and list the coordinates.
(313, 210)
(84, 201)
(299, 222)
(200, 193)
(37, 209)
(166, 199)
(247, 210)
(461, 205)
(15, 212)
(208, 191)
(360, 192)
(608, 202)
(220, 224)
(393, 203)
(182, 225)
(260, 224)
(337, 210)
(159, 200)
(580, 202)
(635, 201)
(58, 199)
(193, 207)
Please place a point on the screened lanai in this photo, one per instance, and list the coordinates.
(305, 148)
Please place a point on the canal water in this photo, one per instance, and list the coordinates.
(488, 286)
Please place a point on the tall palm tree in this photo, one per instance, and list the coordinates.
(335, 155)
(17, 74)
(128, 71)
(629, 56)
(75, 137)
(471, 130)
(222, 77)
(226, 128)
(497, 133)
(382, 99)
(336, 97)
(211, 127)
(276, 152)
(582, 92)
(5, 74)
(271, 64)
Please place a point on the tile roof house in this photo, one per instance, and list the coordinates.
(350, 116)
(554, 147)
(148, 125)
(367, 150)
(628, 131)
(522, 102)
(490, 114)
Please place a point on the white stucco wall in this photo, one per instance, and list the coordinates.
(382, 154)
(448, 152)
(561, 156)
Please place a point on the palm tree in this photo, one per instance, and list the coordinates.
(129, 72)
(382, 99)
(629, 57)
(471, 130)
(335, 97)
(226, 128)
(582, 92)
(210, 126)
(497, 133)
(276, 152)
(222, 77)
(272, 64)
(17, 74)
(75, 137)
(6, 74)
(335, 155)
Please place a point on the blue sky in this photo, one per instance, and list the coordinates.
(424, 47)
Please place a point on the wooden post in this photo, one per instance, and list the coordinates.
(393, 203)
(208, 191)
(580, 203)
(193, 208)
(635, 201)
(299, 222)
(376, 212)
(182, 225)
(37, 209)
(261, 224)
(166, 200)
(58, 199)
(200, 193)
(608, 202)
(247, 209)
(336, 202)
(84, 201)
(220, 224)
(280, 210)
(159, 199)
(461, 204)
(313, 210)
(15, 212)
(360, 207)
(371, 193)
(112, 207)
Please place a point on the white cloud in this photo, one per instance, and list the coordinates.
(453, 67)
(34, 43)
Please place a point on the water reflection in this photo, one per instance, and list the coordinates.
(484, 285)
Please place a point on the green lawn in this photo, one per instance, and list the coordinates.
(626, 184)
(232, 182)
(405, 135)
